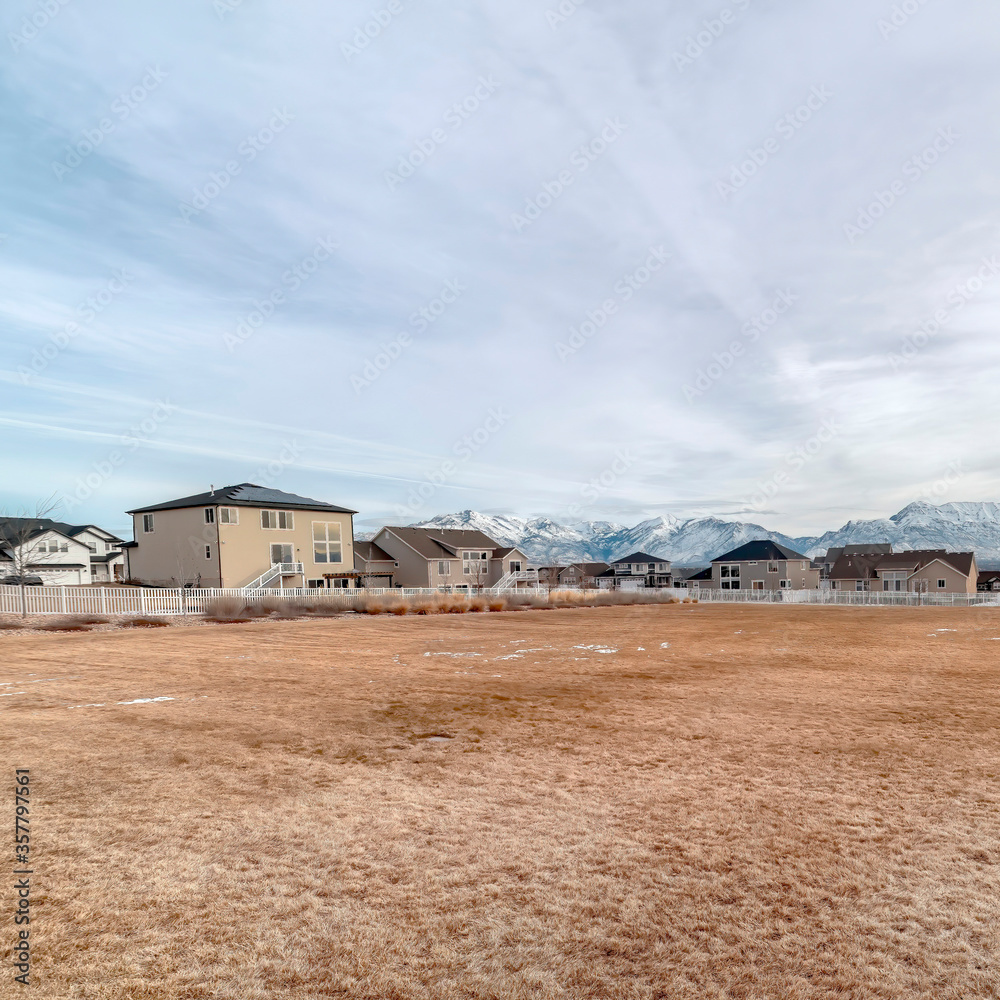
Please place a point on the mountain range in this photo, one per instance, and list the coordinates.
(957, 527)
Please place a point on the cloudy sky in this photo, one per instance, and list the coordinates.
(597, 259)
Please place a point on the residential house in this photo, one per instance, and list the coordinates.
(60, 554)
(989, 579)
(916, 571)
(638, 571)
(764, 565)
(582, 575)
(240, 536)
(826, 563)
(373, 566)
(548, 576)
(453, 559)
(697, 580)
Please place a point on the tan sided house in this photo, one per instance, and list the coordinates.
(241, 536)
(453, 559)
(922, 571)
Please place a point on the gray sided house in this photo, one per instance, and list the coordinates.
(453, 559)
(638, 571)
(764, 565)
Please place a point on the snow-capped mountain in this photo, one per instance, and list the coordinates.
(690, 542)
(957, 527)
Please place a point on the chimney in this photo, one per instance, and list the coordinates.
(211, 490)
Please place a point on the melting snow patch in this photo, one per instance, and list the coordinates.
(453, 654)
(10, 694)
(599, 649)
(664, 645)
(144, 701)
(98, 705)
(510, 656)
(947, 629)
(640, 649)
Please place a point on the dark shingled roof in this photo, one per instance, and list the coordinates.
(761, 550)
(640, 557)
(442, 543)
(11, 527)
(370, 552)
(244, 495)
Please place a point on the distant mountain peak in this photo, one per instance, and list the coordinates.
(695, 541)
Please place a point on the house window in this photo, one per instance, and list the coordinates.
(757, 584)
(326, 542)
(729, 571)
(282, 519)
(208, 551)
(229, 515)
(753, 562)
(281, 554)
(623, 568)
(444, 567)
(860, 585)
(93, 548)
(785, 584)
(942, 584)
(772, 567)
(147, 523)
(209, 515)
(515, 566)
(474, 563)
(316, 584)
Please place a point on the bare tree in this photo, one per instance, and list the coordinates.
(20, 536)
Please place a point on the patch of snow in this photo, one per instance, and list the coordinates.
(510, 656)
(144, 701)
(664, 645)
(640, 649)
(599, 649)
(453, 654)
(99, 704)
(10, 694)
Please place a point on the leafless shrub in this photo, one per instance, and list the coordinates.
(9, 624)
(145, 621)
(226, 609)
(71, 623)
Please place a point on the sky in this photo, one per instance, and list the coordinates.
(586, 259)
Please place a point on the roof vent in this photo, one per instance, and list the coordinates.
(211, 490)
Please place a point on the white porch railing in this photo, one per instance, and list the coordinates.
(276, 572)
(511, 580)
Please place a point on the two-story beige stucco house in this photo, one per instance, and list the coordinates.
(764, 565)
(452, 558)
(241, 536)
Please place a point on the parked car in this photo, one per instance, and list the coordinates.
(19, 581)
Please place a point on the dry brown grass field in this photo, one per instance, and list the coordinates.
(784, 802)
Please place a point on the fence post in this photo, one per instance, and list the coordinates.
(142, 599)
(104, 601)
(62, 599)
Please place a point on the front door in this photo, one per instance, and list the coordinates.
(281, 554)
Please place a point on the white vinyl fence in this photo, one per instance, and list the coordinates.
(168, 601)
(846, 597)
(165, 601)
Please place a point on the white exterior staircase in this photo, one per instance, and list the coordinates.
(277, 572)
